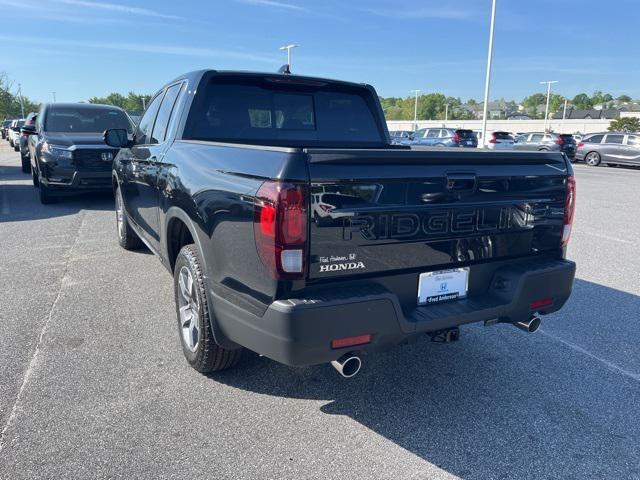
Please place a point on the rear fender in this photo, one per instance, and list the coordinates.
(176, 213)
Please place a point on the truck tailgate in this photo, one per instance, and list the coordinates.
(387, 210)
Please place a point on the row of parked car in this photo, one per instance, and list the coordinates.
(610, 148)
(63, 149)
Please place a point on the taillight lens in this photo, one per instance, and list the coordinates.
(456, 138)
(280, 228)
(560, 141)
(493, 138)
(569, 210)
(581, 144)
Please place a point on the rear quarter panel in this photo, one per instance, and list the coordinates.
(215, 186)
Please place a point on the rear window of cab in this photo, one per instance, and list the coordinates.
(284, 112)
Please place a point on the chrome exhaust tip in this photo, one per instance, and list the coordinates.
(530, 325)
(348, 365)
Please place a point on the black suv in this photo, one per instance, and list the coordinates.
(4, 128)
(27, 129)
(67, 151)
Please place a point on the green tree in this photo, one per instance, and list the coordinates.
(626, 124)
(582, 101)
(556, 102)
(624, 98)
(11, 105)
(599, 97)
(133, 102)
(535, 100)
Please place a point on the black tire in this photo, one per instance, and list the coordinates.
(34, 177)
(592, 159)
(45, 195)
(26, 163)
(16, 148)
(127, 238)
(205, 355)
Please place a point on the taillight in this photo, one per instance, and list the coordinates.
(560, 141)
(569, 210)
(581, 144)
(280, 228)
(493, 138)
(24, 134)
(456, 137)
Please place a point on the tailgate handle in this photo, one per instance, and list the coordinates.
(461, 182)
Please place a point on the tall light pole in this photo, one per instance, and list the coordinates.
(487, 79)
(446, 112)
(54, 97)
(415, 110)
(288, 48)
(546, 110)
(20, 98)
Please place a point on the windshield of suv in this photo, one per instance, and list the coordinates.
(85, 120)
(305, 113)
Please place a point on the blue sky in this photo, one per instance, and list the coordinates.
(81, 48)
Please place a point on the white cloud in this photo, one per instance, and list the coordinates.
(144, 48)
(114, 7)
(421, 13)
(274, 4)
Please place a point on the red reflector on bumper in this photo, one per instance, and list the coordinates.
(350, 341)
(541, 302)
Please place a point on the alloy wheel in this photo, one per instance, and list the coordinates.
(189, 309)
(593, 159)
(120, 214)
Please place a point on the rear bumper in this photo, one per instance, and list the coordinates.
(299, 331)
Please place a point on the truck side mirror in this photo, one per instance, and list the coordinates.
(116, 137)
(28, 129)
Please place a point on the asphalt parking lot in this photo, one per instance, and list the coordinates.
(93, 382)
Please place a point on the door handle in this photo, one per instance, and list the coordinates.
(461, 182)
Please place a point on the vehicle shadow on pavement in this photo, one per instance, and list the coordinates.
(497, 404)
(12, 172)
(19, 202)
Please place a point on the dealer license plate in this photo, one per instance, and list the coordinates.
(442, 286)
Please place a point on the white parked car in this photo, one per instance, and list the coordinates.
(500, 141)
(14, 134)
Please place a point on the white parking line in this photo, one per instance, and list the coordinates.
(607, 363)
(34, 359)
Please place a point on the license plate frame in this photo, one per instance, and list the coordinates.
(443, 286)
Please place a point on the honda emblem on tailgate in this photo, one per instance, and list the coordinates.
(107, 156)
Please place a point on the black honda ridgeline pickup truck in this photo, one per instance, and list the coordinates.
(293, 228)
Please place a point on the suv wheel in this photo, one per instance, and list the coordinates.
(592, 159)
(26, 163)
(45, 194)
(127, 238)
(34, 177)
(198, 344)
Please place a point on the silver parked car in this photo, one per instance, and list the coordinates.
(615, 148)
(547, 142)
